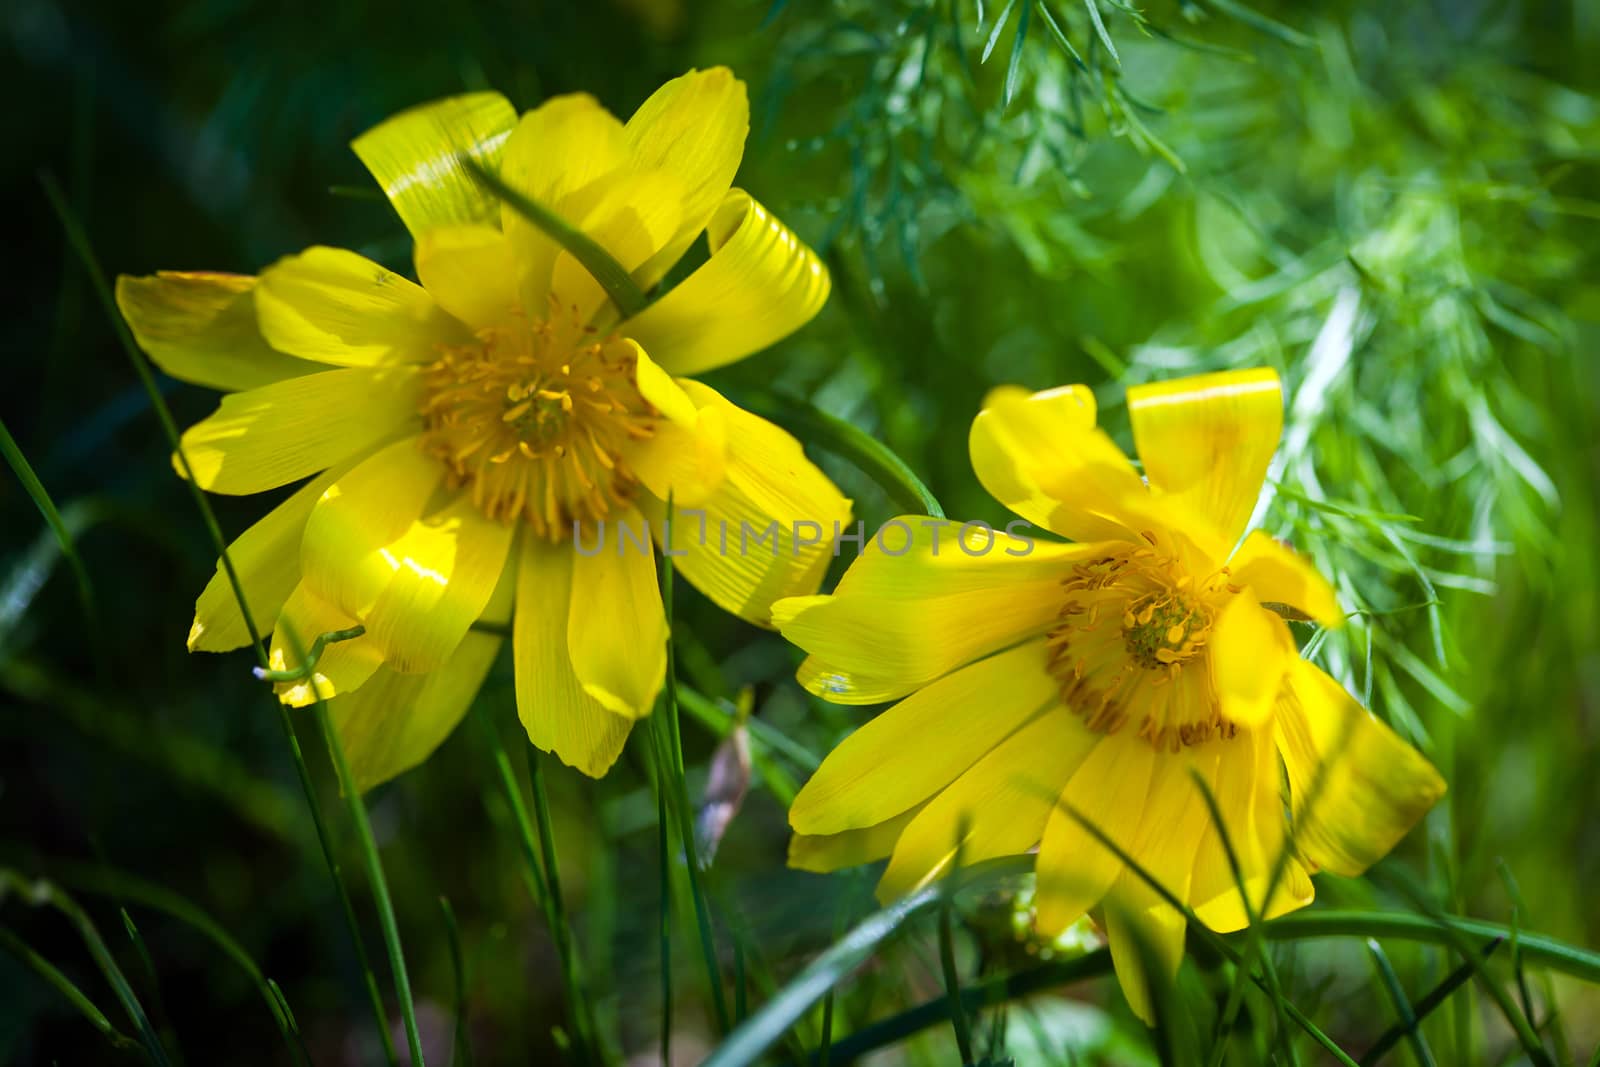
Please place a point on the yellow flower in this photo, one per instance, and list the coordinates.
(1040, 678)
(457, 432)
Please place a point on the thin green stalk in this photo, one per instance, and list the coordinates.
(53, 977)
(1426, 1006)
(91, 264)
(664, 853)
(682, 807)
(458, 968)
(952, 983)
(156, 999)
(833, 434)
(1409, 1022)
(611, 275)
(559, 927)
(540, 880)
(375, 875)
(519, 810)
(52, 517)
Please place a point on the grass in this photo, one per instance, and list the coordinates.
(1394, 206)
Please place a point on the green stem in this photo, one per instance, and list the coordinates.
(559, 928)
(309, 664)
(952, 983)
(611, 275)
(682, 806)
(380, 884)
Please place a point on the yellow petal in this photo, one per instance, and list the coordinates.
(342, 552)
(997, 808)
(852, 848)
(267, 560)
(343, 666)
(1248, 795)
(760, 285)
(923, 598)
(416, 157)
(201, 327)
(470, 271)
(334, 306)
(766, 530)
(562, 154)
(445, 566)
(925, 742)
(617, 630)
(395, 721)
(693, 127)
(558, 714)
(1209, 438)
(1041, 456)
(1145, 933)
(1278, 576)
(686, 462)
(1250, 650)
(263, 438)
(1374, 786)
(831, 683)
(631, 216)
(1074, 869)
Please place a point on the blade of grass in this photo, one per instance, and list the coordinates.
(611, 276)
(43, 894)
(1520, 1024)
(1253, 915)
(1409, 1022)
(989, 993)
(52, 517)
(79, 240)
(1425, 1007)
(679, 803)
(149, 965)
(752, 1038)
(833, 434)
(534, 840)
(458, 969)
(559, 926)
(664, 854)
(1100, 30)
(105, 881)
(53, 977)
(1205, 932)
(994, 34)
(1302, 926)
(1014, 64)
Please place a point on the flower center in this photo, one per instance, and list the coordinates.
(1129, 646)
(534, 417)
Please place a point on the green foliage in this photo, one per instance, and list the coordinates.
(1395, 205)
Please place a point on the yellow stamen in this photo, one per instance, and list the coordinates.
(504, 415)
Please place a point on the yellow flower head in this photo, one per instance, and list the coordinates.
(1041, 679)
(459, 431)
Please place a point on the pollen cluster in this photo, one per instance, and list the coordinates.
(1129, 644)
(533, 418)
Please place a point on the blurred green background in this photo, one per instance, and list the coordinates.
(1397, 205)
